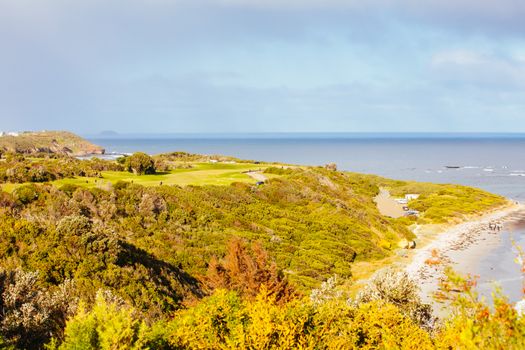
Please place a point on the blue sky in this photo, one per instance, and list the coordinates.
(262, 65)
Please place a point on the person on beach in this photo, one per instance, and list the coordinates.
(495, 226)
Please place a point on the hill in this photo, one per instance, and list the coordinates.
(59, 142)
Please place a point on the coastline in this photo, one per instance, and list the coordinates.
(459, 245)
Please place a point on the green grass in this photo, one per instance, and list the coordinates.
(201, 174)
(9, 187)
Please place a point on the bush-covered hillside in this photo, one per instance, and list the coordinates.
(314, 222)
(18, 169)
(161, 248)
(55, 142)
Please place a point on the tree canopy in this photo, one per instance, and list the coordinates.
(140, 163)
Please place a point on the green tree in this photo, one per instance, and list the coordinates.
(140, 163)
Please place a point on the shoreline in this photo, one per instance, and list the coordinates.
(445, 244)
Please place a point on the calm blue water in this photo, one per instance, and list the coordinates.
(492, 162)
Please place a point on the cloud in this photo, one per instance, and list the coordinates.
(457, 57)
(502, 15)
(482, 70)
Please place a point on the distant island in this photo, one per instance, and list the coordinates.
(55, 142)
(109, 133)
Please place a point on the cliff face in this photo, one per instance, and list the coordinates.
(61, 142)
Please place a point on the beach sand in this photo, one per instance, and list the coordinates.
(458, 246)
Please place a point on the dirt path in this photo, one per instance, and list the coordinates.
(256, 175)
(387, 205)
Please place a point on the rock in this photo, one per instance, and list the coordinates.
(403, 244)
(331, 166)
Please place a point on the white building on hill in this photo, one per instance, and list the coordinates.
(9, 133)
(411, 196)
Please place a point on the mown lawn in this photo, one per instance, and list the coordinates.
(200, 174)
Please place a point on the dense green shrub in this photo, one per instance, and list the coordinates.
(444, 203)
(140, 163)
(281, 170)
(27, 193)
(18, 169)
(109, 325)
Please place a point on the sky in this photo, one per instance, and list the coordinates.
(214, 66)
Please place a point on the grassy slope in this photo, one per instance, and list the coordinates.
(200, 174)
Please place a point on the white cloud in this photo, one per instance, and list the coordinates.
(484, 70)
(457, 57)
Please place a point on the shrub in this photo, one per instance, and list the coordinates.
(331, 166)
(29, 314)
(140, 163)
(26, 194)
(327, 292)
(225, 321)
(109, 325)
(246, 269)
(68, 189)
(74, 225)
(396, 288)
(279, 171)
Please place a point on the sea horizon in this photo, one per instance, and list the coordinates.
(307, 135)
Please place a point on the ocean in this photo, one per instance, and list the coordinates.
(493, 162)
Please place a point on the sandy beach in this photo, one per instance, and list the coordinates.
(456, 246)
